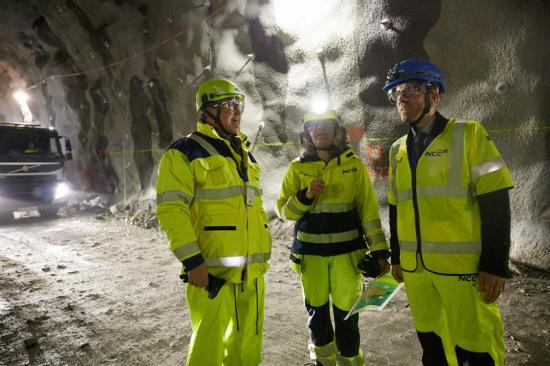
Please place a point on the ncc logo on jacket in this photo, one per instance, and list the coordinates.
(352, 170)
(436, 152)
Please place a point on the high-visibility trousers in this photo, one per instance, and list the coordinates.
(227, 330)
(452, 307)
(339, 279)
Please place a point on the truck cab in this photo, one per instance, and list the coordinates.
(32, 175)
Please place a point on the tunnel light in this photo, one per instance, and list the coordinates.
(21, 97)
(299, 15)
(319, 105)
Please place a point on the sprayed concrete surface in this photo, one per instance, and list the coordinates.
(93, 290)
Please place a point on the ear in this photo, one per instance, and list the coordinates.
(436, 97)
(434, 93)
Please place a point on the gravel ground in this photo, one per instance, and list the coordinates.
(94, 290)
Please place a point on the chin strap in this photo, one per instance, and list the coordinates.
(218, 124)
(427, 106)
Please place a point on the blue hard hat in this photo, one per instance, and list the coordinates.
(414, 69)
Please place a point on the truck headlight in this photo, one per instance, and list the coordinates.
(61, 190)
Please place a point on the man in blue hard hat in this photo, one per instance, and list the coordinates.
(449, 222)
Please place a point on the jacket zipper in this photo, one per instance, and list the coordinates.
(416, 217)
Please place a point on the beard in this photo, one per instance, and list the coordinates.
(409, 115)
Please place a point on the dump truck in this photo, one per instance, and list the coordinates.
(32, 169)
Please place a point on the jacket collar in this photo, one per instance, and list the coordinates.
(347, 153)
(438, 125)
(209, 131)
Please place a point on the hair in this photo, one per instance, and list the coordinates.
(340, 144)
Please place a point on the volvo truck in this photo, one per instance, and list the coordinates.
(32, 175)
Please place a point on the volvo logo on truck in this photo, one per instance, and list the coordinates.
(32, 162)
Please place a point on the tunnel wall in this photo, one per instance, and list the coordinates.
(136, 66)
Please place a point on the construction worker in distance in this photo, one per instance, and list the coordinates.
(209, 203)
(328, 192)
(31, 148)
(449, 222)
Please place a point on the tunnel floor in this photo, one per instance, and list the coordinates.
(93, 290)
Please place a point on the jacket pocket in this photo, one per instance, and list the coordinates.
(220, 228)
(213, 172)
(220, 236)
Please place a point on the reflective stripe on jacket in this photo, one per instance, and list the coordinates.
(202, 193)
(336, 221)
(437, 212)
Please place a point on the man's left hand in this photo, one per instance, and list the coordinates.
(490, 286)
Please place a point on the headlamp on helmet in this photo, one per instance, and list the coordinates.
(329, 116)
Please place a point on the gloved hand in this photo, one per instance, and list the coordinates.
(369, 266)
(214, 286)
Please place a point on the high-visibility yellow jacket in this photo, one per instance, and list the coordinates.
(209, 202)
(337, 220)
(438, 218)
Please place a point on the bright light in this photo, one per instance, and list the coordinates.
(314, 23)
(300, 15)
(21, 96)
(61, 190)
(319, 105)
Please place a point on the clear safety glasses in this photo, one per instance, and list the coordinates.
(409, 91)
(232, 105)
(319, 124)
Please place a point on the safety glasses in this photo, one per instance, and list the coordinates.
(232, 105)
(409, 91)
(323, 123)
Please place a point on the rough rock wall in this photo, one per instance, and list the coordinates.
(135, 65)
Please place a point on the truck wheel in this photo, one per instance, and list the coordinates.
(47, 212)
